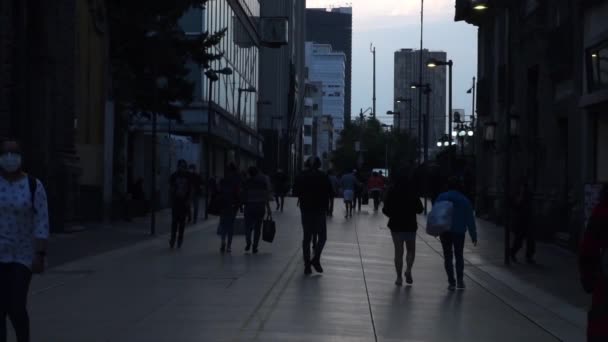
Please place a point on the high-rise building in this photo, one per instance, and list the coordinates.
(334, 27)
(328, 67)
(407, 71)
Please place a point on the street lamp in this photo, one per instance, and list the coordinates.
(249, 89)
(212, 76)
(426, 88)
(404, 100)
(480, 5)
(398, 115)
(433, 63)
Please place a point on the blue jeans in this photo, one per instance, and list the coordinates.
(254, 216)
(314, 224)
(453, 247)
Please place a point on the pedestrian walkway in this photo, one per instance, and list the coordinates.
(147, 292)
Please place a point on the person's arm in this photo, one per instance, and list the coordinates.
(41, 229)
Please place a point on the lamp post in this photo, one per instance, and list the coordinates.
(426, 89)
(372, 49)
(404, 100)
(433, 63)
(239, 120)
(397, 115)
(212, 76)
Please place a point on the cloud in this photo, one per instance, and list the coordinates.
(379, 14)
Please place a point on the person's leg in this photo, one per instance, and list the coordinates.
(257, 233)
(17, 304)
(277, 200)
(282, 201)
(459, 255)
(518, 242)
(410, 245)
(398, 244)
(446, 244)
(307, 238)
(174, 220)
(5, 296)
(195, 205)
(376, 198)
(222, 230)
(249, 222)
(321, 234)
(181, 226)
(230, 230)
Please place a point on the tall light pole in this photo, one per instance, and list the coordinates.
(212, 76)
(423, 126)
(239, 120)
(420, 78)
(397, 115)
(373, 51)
(433, 63)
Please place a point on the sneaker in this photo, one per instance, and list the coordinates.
(247, 248)
(223, 248)
(307, 270)
(255, 250)
(399, 281)
(228, 250)
(452, 287)
(317, 266)
(461, 286)
(408, 278)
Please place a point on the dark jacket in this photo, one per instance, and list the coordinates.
(401, 206)
(593, 263)
(314, 190)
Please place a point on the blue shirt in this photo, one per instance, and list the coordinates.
(463, 218)
(348, 182)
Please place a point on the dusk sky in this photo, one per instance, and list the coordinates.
(395, 24)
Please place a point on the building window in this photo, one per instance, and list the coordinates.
(598, 67)
(307, 130)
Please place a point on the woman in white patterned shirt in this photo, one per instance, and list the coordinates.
(24, 230)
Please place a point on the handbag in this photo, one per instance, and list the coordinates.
(269, 229)
(439, 220)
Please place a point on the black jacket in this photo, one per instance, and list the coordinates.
(401, 206)
(314, 190)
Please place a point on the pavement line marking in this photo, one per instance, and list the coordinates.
(267, 294)
(369, 303)
(512, 307)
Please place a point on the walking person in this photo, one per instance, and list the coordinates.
(24, 230)
(401, 206)
(281, 187)
(463, 220)
(196, 182)
(313, 188)
(360, 189)
(180, 192)
(229, 193)
(593, 264)
(335, 185)
(348, 183)
(256, 194)
(521, 226)
(375, 184)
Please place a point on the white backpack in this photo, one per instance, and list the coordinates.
(439, 220)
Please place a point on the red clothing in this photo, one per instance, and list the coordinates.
(375, 182)
(594, 244)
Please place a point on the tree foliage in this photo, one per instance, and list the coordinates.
(147, 44)
(379, 147)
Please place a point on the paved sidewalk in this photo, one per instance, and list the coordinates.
(148, 293)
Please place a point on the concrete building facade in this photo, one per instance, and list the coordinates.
(407, 71)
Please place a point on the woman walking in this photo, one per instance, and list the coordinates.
(401, 206)
(229, 192)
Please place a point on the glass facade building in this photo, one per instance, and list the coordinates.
(240, 53)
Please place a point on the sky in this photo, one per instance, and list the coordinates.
(392, 25)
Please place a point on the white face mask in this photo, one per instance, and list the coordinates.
(10, 162)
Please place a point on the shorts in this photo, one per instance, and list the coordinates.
(349, 195)
(404, 236)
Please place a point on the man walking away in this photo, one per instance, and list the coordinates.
(281, 187)
(24, 230)
(197, 190)
(360, 189)
(335, 185)
(401, 206)
(463, 220)
(522, 227)
(375, 185)
(349, 185)
(256, 196)
(229, 196)
(181, 192)
(593, 264)
(314, 189)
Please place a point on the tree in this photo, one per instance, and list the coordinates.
(147, 44)
(379, 147)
